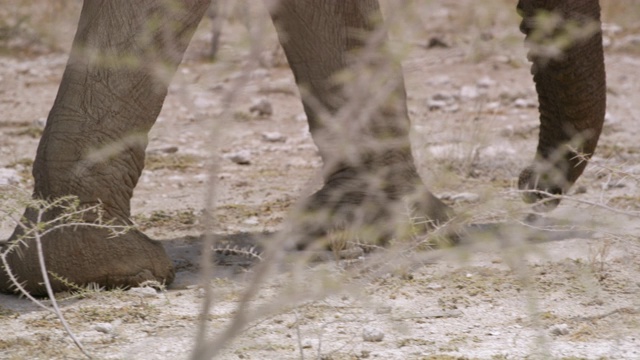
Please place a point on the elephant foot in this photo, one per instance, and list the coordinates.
(540, 186)
(87, 255)
(355, 206)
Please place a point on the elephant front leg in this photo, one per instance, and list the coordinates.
(354, 98)
(565, 43)
(123, 56)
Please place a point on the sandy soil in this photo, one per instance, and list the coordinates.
(570, 292)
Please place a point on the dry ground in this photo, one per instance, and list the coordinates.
(573, 294)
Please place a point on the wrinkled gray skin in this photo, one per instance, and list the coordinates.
(103, 101)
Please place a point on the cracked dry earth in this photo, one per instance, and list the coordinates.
(567, 292)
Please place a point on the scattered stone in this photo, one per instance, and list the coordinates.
(145, 292)
(504, 59)
(469, 92)
(560, 329)
(242, 157)
(610, 119)
(200, 293)
(611, 29)
(372, 335)
(9, 177)
(443, 101)
(262, 107)
(273, 137)
(433, 105)
(40, 122)
(523, 103)
(434, 286)
(494, 105)
(485, 82)
(105, 328)
(251, 221)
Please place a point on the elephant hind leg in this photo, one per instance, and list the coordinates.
(568, 70)
(354, 97)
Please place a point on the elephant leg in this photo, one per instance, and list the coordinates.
(568, 69)
(354, 98)
(123, 56)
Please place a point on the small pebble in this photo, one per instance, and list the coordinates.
(485, 82)
(262, 106)
(301, 117)
(434, 286)
(372, 335)
(40, 122)
(242, 157)
(273, 137)
(145, 292)
(103, 328)
(560, 329)
(524, 103)
(436, 104)
(469, 92)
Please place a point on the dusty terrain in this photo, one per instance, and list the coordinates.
(572, 294)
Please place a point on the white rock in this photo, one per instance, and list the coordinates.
(251, 221)
(39, 122)
(372, 335)
(443, 96)
(301, 117)
(610, 119)
(273, 137)
(611, 28)
(485, 82)
(242, 157)
(145, 292)
(103, 328)
(261, 106)
(560, 329)
(494, 105)
(524, 103)
(469, 92)
(436, 104)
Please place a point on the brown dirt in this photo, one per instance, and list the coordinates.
(483, 301)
